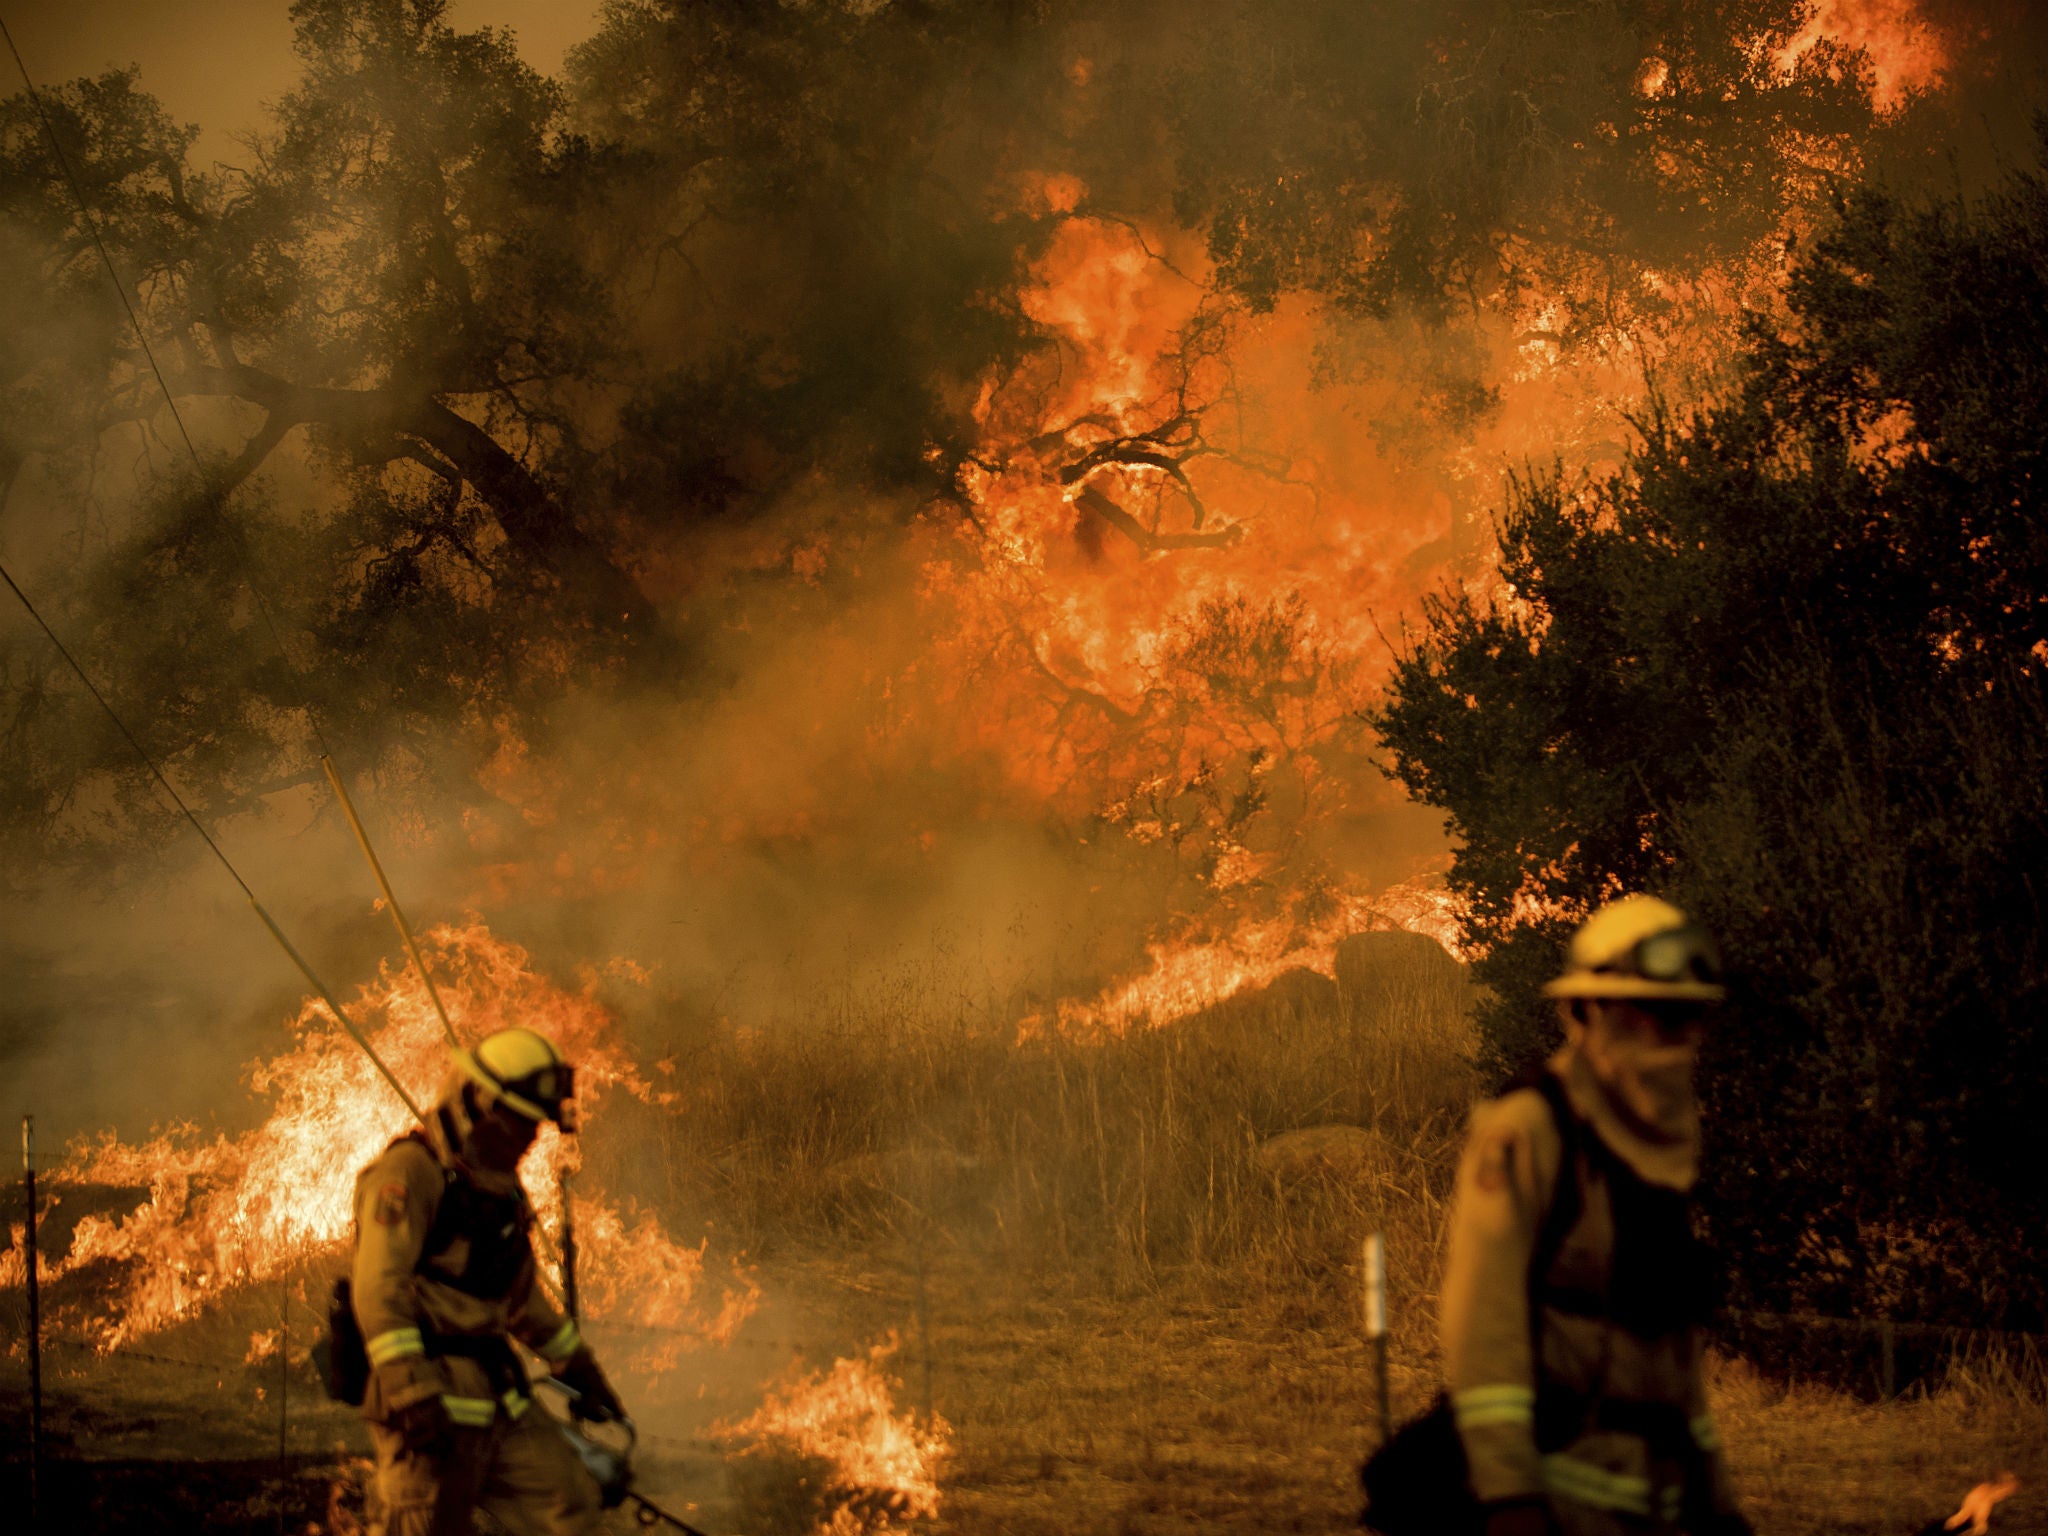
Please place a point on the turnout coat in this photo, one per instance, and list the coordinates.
(1569, 1320)
(444, 1278)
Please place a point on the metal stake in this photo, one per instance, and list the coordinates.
(1376, 1323)
(284, 1393)
(35, 1325)
(568, 1250)
(924, 1323)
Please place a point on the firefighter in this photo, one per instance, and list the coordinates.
(443, 1281)
(1575, 1288)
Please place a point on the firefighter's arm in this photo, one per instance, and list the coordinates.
(395, 1204)
(1505, 1178)
(545, 1331)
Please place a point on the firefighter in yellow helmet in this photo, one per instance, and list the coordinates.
(443, 1281)
(1575, 1288)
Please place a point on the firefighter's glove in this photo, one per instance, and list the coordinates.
(424, 1426)
(595, 1400)
(1520, 1517)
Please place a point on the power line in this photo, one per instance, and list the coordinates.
(126, 734)
(305, 968)
(92, 228)
(99, 244)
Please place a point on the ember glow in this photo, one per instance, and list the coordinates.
(882, 1468)
(238, 1210)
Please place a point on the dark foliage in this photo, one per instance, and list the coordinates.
(1791, 666)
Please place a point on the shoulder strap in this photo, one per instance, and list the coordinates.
(438, 1236)
(1567, 1200)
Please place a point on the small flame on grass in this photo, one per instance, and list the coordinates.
(1978, 1504)
(883, 1466)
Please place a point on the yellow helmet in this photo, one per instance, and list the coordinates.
(1638, 947)
(523, 1071)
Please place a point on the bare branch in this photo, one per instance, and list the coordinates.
(1152, 543)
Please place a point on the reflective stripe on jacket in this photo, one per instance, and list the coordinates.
(1496, 1362)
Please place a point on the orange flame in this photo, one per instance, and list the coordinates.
(1188, 977)
(884, 1468)
(233, 1211)
(1978, 1504)
(1907, 50)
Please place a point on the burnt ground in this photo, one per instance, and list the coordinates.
(1188, 1402)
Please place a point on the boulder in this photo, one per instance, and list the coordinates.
(1299, 993)
(1345, 1152)
(1389, 960)
(926, 1173)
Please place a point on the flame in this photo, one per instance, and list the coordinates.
(229, 1212)
(1978, 1504)
(1907, 51)
(1184, 978)
(883, 1469)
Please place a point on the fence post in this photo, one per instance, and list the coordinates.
(1376, 1323)
(284, 1396)
(35, 1327)
(924, 1322)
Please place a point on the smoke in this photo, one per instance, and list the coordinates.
(838, 316)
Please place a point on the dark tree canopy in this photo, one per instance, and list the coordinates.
(1791, 666)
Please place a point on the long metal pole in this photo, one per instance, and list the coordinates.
(391, 905)
(35, 1325)
(568, 1250)
(1376, 1324)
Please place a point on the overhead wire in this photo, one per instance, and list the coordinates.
(91, 226)
(305, 968)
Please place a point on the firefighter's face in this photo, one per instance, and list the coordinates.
(500, 1137)
(1632, 1028)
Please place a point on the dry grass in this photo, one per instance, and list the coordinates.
(1813, 1459)
(1116, 1156)
(1131, 1325)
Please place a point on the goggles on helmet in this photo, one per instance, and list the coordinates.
(1676, 954)
(552, 1089)
(548, 1093)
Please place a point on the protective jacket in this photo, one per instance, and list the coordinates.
(1570, 1313)
(444, 1279)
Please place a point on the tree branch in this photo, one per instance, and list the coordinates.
(535, 523)
(1092, 500)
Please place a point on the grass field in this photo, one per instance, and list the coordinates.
(1134, 1299)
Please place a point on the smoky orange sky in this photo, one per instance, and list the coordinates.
(214, 63)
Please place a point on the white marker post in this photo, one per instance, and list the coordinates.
(1376, 1322)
